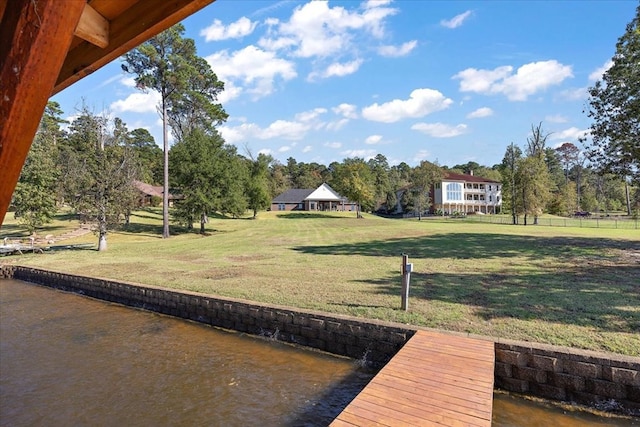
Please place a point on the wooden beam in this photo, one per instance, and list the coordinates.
(93, 27)
(3, 6)
(34, 39)
(140, 22)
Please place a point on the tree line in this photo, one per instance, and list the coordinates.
(92, 166)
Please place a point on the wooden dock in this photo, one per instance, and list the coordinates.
(435, 379)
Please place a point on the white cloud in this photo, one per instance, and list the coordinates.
(284, 129)
(349, 111)
(599, 72)
(396, 51)
(557, 118)
(527, 80)
(317, 30)
(420, 103)
(573, 133)
(113, 79)
(336, 69)
(307, 148)
(481, 81)
(139, 102)
(217, 31)
(337, 125)
(284, 149)
(456, 21)
(333, 144)
(252, 67)
(311, 115)
(369, 4)
(266, 151)
(373, 139)
(128, 81)
(279, 129)
(480, 112)
(231, 91)
(440, 130)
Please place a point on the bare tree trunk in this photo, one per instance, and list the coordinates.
(102, 232)
(626, 192)
(165, 189)
(102, 242)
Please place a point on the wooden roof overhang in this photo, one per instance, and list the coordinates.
(47, 45)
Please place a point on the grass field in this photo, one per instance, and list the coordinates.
(577, 287)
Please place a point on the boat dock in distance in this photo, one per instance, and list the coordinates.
(434, 380)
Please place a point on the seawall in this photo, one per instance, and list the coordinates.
(551, 372)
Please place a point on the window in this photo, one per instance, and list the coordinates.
(482, 186)
(490, 188)
(312, 206)
(491, 198)
(281, 206)
(438, 185)
(454, 191)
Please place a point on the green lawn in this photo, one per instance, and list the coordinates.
(576, 287)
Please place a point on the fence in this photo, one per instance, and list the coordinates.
(589, 222)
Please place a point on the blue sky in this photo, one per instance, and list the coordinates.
(445, 81)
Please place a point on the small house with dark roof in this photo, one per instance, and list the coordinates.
(323, 198)
(148, 192)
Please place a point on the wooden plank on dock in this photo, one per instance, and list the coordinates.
(435, 379)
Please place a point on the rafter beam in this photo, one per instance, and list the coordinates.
(143, 20)
(93, 27)
(34, 38)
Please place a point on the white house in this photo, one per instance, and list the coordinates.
(467, 194)
(323, 198)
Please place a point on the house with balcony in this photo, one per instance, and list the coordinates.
(461, 193)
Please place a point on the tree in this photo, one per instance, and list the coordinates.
(206, 174)
(568, 156)
(149, 155)
(614, 106)
(168, 64)
(353, 179)
(34, 198)
(384, 194)
(509, 168)
(278, 179)
(534, 175)
(98, 177)
(258, 186)
(423, 177)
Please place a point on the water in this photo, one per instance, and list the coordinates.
(69, 360)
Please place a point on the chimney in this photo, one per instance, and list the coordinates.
(471, 172)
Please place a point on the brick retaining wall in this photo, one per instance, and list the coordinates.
(373, 342)
(568, 374)
(551, 372)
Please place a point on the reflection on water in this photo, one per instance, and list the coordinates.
(510, 411)
(68, 360)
